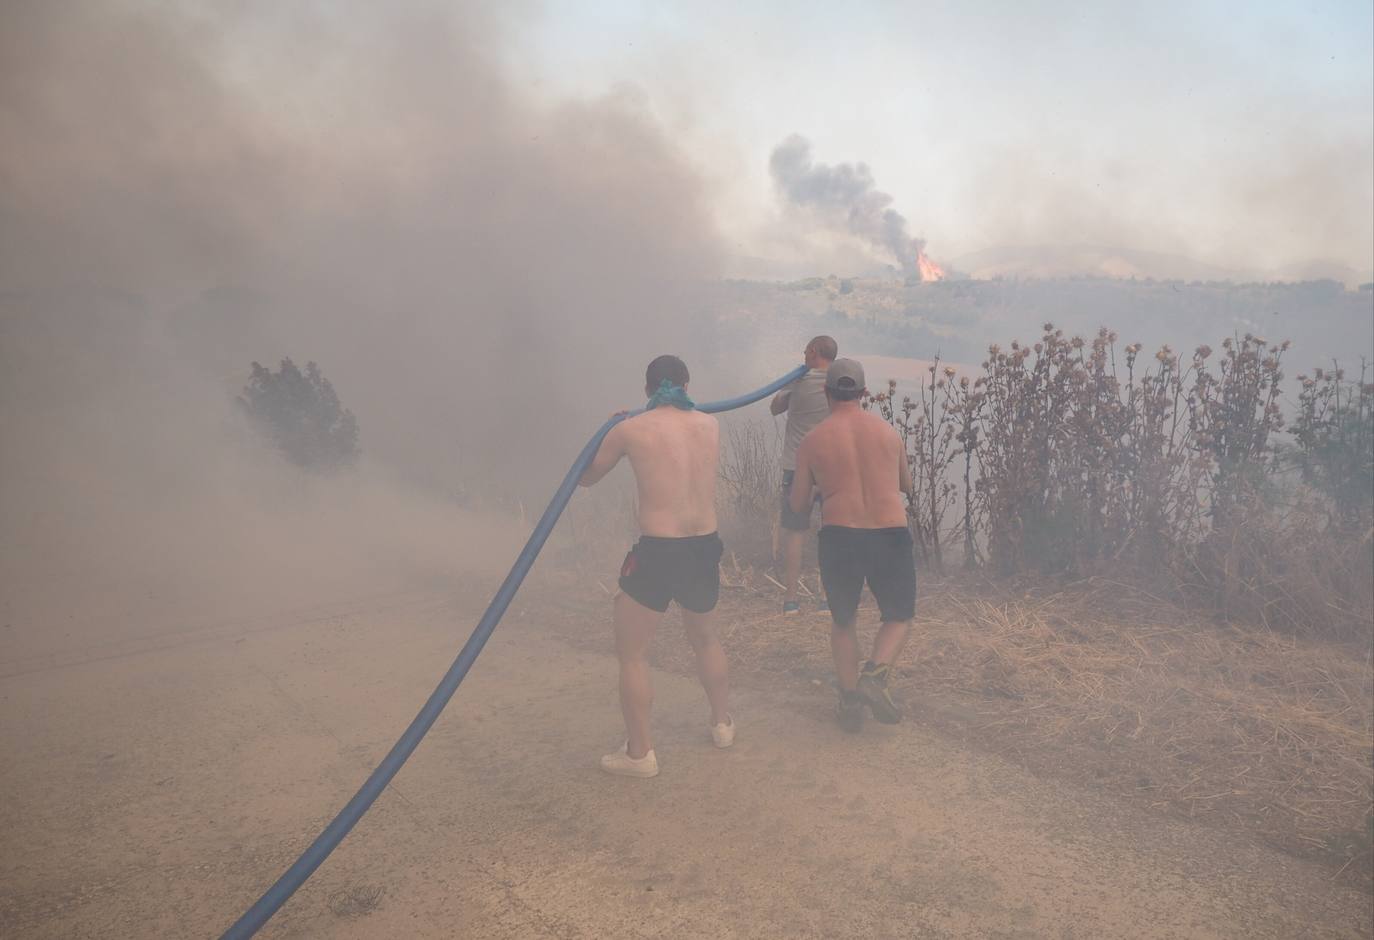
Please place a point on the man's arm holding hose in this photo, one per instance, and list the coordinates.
(780, 401)
(607, 456)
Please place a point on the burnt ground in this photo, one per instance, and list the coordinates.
(156, 782)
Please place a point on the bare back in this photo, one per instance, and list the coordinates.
(858, 462)
(675, 454)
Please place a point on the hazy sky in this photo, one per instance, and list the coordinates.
(1240, 134)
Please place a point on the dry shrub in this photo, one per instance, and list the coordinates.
(1287, 571)
(749, 486)
(935, 442)
(1160, 470)
(1334, 444)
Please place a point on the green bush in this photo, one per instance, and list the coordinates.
(301, 415)
(1334, 437)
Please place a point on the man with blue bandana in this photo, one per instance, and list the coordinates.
(674, 450)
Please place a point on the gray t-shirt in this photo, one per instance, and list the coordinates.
(806, 408)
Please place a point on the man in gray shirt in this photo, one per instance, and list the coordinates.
(806, 406)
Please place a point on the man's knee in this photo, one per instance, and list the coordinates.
(846, 625)
(700, 633)
(630, 647)
(632, 638)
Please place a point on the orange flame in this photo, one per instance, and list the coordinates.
(930, 271)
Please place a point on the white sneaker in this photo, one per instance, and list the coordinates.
(624, 765)
(724, 734)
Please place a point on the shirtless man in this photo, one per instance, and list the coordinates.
(859, 463)
(674, 451)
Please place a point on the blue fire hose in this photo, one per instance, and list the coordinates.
(285, 886)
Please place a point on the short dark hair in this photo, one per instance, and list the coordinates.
(825, 347)
(666, 367)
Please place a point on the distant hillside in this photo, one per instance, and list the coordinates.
(959, 318)
(1055, 261)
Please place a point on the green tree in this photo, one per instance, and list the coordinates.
(1334, 433)
(301, 415)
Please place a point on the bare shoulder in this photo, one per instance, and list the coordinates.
(828, 425)
(875, 427)
(878, 422)
(669, 421)
(632, 425)
(893, 438)
(704, 423)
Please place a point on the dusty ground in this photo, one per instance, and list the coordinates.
(156, 783)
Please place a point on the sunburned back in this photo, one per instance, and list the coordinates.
(675, 455)
(855, 458)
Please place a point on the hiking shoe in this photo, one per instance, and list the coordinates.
(791, 607)
(724, 734)
(874, 692)
(622, 764)
(850, 712)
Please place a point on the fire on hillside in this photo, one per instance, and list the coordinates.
(930, 271)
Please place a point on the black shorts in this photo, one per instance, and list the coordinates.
(658, 571)
(883, 557)
(795, 521)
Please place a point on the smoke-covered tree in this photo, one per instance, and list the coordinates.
(301, 415)
(1334, 434)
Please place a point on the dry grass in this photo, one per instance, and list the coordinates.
(1107, 686)
(1229, 725)
(1269, 731)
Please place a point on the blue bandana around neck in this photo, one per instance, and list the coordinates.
(670, 394)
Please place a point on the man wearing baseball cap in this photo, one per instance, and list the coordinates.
(859, 464)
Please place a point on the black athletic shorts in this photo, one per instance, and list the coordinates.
(795, 521)
(658, 571)
(883, 557)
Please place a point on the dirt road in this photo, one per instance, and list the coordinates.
(156, 788)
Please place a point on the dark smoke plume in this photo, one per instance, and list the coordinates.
(187, 188)
(843, 194)
(481, 275)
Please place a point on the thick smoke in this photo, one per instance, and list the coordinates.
(843, 195)
(481, 276)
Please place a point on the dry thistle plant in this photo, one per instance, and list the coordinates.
(929, 434)
(1062, 460)
(1334, 441)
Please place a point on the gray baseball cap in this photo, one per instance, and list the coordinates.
(844, 375)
